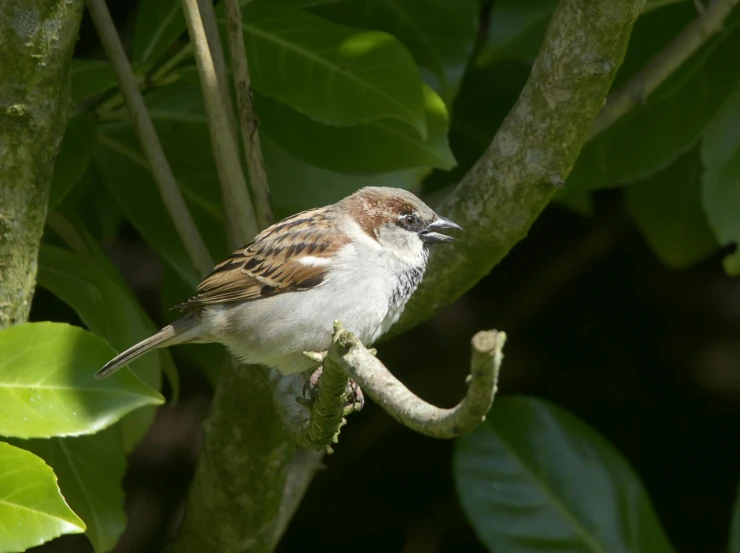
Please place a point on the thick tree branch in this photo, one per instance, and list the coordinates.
(533, 150)
(237, 203)
(247, 118)
(235, 499)
(638, 88)
(36, 44)
(150, 144)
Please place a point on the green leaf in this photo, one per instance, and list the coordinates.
(373, 147)
(90, 77)
(476, 117)
(158, 24)
(32, 509)
(47, 386)
(649, 138)
(127, 176)
(333, 74)
(73, 233)
(103, 305)
(90, 470)
(109, 310)
(94, 206)
(516, 30)
(721, 192)
(438, 34)
(734, 546)
(667, 209)
(74, 156)
(296, 185)
(534, 478)
(652, 5)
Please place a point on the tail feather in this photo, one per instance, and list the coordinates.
(181, 330)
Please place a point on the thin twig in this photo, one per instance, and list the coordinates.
(636, 91)
(247, 117)
(150, 144)
(164, 69)
(238, 205)
(210, 26)
(403, 405)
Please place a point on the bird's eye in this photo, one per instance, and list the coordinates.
(410, 220)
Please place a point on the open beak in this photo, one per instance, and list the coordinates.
(429, 235)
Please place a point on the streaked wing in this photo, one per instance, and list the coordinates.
(291, 255)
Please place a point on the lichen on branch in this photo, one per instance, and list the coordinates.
(36, 45)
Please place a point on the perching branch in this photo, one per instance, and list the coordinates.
(533, 150)
(150, 144)
(403, 405)
(639, 87)
(237, 204)
(247, 118)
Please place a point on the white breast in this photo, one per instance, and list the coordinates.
(366, 289)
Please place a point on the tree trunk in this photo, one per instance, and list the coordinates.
(37, 40)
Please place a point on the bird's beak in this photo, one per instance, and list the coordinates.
(429, 235)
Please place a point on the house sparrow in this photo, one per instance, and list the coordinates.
(358, 260)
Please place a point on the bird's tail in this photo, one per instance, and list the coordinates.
(181, 330)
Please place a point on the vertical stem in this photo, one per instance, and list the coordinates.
(247, 117)
(210, 26)
(238, 205)
(150, 144)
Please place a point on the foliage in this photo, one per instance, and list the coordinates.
(535, 478)
(349, 93)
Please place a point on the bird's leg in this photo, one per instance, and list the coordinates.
(356, 399)
(311, 387)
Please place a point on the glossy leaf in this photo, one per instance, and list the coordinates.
(438, 34)
(296, 185)
(158, 24)
(533, 478)
(516, 30)
(72, 231)
(47, 386)
(485, 97)
(127, 176)
(734, 546)
(90, 470)
(74, 156)
(110, 311)
(667, 209)
(651, 137)
(721, 193)
(331, 73)
(90, 77)
(32, 509)
(374, 147)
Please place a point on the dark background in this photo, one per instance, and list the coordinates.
(648, 356)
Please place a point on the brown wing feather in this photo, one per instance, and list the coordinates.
(271, 264)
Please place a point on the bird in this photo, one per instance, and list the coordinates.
(358, 261)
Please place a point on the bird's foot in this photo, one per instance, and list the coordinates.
(356, 399)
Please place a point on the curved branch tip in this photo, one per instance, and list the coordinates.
(488, 341)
